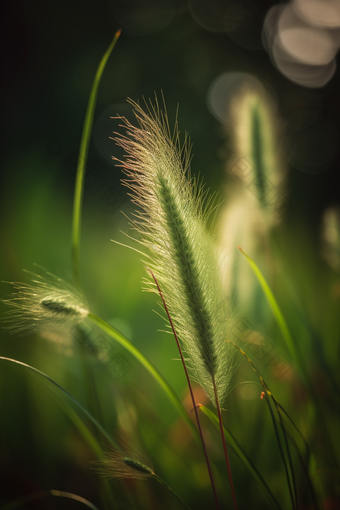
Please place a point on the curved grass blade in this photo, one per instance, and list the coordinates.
(244, 458)
(162, 482)
(92, 441)
(191, 392)
(274, 306)
(296, 355)
(296, 437)
(34, 496)
(282, 413)
(290, 476)
(75, 418)
(120, 338)
(315, 338)
(290, 462)
(82, 158)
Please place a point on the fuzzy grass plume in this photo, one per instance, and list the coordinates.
(257, 139)
(171, 220)
(120, 465)
(127, 464)
(48, 303)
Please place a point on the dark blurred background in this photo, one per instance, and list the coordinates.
(50, 54)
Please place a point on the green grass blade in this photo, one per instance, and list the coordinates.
(296, 355)
(306, 457)
(89, 437)
(91, 440)
(274, 306)
(244, 458)
(290, 477)
(46, 494)
(270, 400)
(289, 429)
(74, 417)
(177, 496)
(120, 338)
(82, 159)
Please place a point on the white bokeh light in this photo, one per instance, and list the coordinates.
(304, 43)
(222, 92)
(303, 52)
(319, 13)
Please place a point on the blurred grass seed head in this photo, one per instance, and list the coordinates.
(49, 303)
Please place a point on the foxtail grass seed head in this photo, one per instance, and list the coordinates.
(46, 304)
(118, 465)
(256, 135)
(172, 223)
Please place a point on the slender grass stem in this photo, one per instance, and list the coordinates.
(91, 387)
(35, 496)
(88, 435)
(243, 458)
(177, 496)
(92, 441)
(297, 357)
(78, 202)
(82, 159)
(277, 434)
(191, 392)
(120, 338)
(288, 465)
(225, 447)
(274, 306)
(290, 462)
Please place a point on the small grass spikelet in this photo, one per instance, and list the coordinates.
(128, 464)
(171, 220)
(46, 304)
(117, 465)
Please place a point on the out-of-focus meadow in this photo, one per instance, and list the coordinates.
(218, 63)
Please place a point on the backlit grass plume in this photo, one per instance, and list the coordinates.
(120, 465)
(256, 133)
(117, 465)
(48, 303)
(171, 221)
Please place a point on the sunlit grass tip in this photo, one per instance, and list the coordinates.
(174, 209)
(48, 303)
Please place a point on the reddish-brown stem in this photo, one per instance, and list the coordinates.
(191, 392)
(225, 447)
